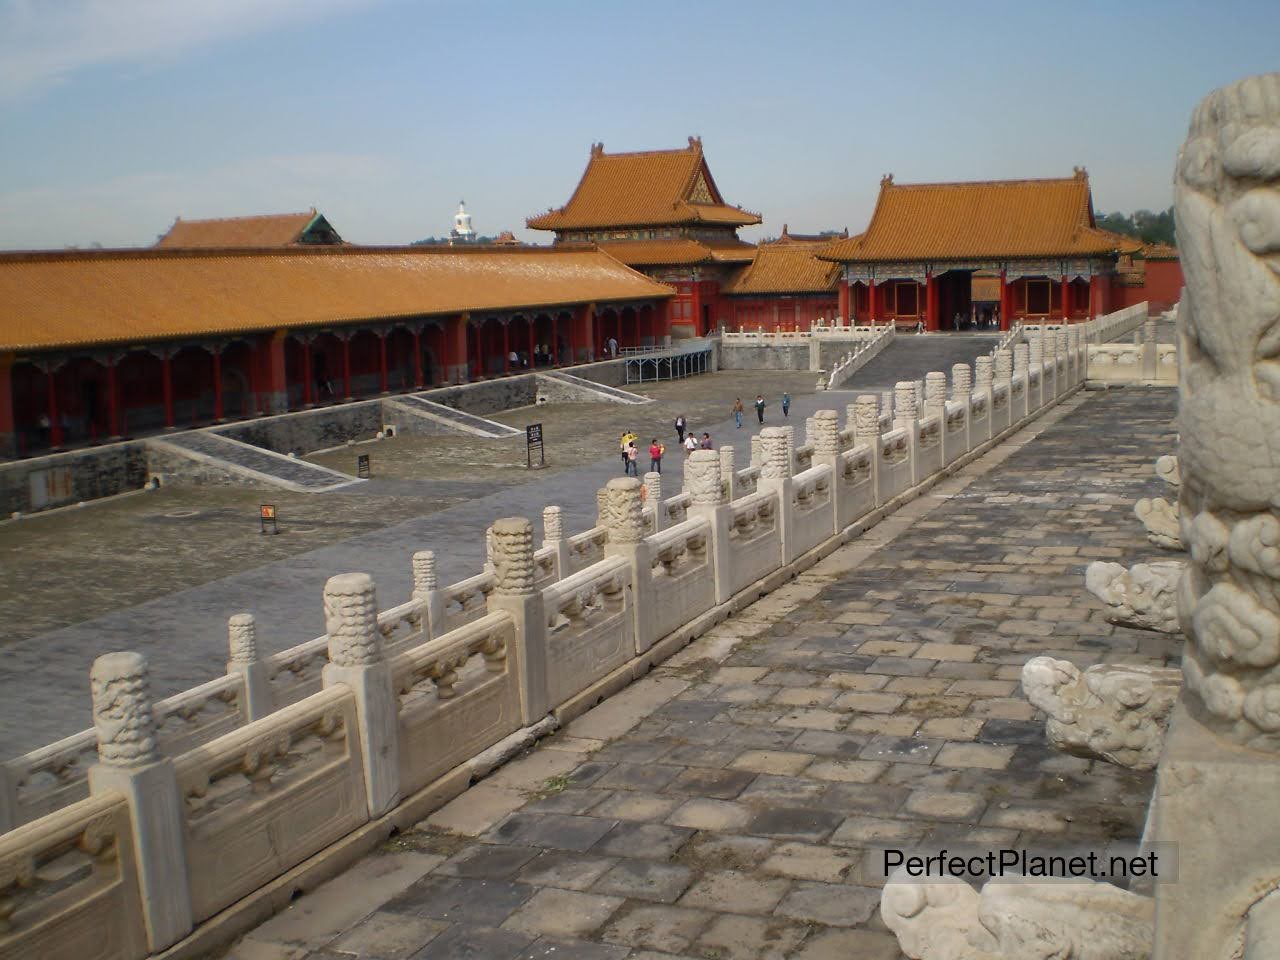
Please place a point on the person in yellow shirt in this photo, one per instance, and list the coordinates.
(628, 438)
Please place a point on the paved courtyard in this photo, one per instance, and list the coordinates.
(730, 805)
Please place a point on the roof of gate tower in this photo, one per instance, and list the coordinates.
(982, 219)
(650, 188)
(271, 230)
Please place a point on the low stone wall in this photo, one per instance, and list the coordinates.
(393, 712)
(309, 430)
(59, 479)
(766, 355)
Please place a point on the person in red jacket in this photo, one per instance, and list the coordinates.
(656, 450)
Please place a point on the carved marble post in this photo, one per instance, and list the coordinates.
(1066, 369)
(757, 451)
(1019, 409)
(602, 508)
(706, 492)
(1149, 350)
(866, 419)
(961, 382)
(514, 593)
(1219, 775)
(775, 477)
(1003, 366)
(935, 392)
(904, 417)
(356, 660)
(653, 499)
(242, 636)
(825, 438)
(553, 536)
(626, 540)
(728, 474)
(426, 587)
(130, 764)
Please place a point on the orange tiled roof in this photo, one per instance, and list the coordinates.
(986, 219)
(646, 253)
(644, 189)
(53, 300)
(788, 267)
(1159, 251)
(274, 230)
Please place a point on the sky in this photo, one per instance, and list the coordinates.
(116, 116)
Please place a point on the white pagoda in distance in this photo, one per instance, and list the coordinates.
(462, 232)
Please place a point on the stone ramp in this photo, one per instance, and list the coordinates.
(452, 418)
(604, 392)
(911, 356)
(249, 463)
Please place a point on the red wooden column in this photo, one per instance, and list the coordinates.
(1005, 300)
(533, 330)
(166, 383)
(844, 309)
(930, 302)
(1066, 299)
(417, 356)
(871, 301)
(506, 347)
(555, 339)
(479, 332)
(55, 422)
(217, 383)
(455, 348)
(308, 377)
(382, 362)
(8, 430)
(346, 364)
(696, 305)
(1093, 295)
(113, 398)
(276, 387)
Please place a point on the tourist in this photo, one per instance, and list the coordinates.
(690, 444)
(632, 467)
(628, 438)
(680, 426)
(513, 359)
(786, 404)
(612, 344)
(706, 442)
(760, 407)
(656, 450)
(737, 412)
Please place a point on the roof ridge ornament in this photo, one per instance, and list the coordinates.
(1080, 173)
(597, 149)
(886, 180)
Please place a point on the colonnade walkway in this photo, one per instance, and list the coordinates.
(734, 803)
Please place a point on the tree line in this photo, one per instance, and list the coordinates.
(1146, 226)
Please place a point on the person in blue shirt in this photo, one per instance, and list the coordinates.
(786, 404)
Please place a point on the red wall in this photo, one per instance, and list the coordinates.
(1161, 289)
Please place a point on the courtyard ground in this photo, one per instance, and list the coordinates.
(179, 537)
(733, 804)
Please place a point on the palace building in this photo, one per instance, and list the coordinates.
(660, 212)
(955, 255)
(96, 345)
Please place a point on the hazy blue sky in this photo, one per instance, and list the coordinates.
(118, 115)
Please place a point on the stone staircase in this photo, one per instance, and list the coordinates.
(911, 356)
(251, 464)
(452, 418)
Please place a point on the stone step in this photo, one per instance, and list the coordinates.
(454, 418)
(253, 464)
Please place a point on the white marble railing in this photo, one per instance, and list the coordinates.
(290, 753)
(860, 356)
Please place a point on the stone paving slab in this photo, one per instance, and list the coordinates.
(696, 822)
